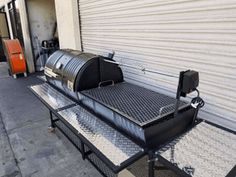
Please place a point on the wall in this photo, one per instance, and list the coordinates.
(42, 19)
(68, 24)
(26, 35)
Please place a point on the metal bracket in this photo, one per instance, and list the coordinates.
(153, 160)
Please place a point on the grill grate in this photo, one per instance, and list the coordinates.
(139, 104)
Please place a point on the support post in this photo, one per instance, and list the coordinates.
(82, 150)
(51, 119)
(151, 165)
(178, 94)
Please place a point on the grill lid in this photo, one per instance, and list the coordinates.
(73, 71)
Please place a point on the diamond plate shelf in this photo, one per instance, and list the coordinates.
(112, 144)
(204, 151)
(51, 96)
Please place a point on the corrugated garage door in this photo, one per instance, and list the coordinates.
(170, 36)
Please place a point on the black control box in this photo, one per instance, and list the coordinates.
(190, 81)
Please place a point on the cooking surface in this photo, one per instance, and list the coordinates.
(135, 102)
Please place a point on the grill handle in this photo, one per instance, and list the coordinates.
(100, 84)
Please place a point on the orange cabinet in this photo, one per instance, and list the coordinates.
(15, 57)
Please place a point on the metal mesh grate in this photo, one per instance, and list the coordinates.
(139, 104)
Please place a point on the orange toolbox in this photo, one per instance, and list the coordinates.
(15, 57)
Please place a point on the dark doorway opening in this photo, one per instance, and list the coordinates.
(4, 32)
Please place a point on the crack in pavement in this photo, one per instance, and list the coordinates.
(15, 173)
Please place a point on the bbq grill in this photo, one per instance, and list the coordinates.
(145, 115)
(94, 102)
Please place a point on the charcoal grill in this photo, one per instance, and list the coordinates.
(145, 115)
(115, 121)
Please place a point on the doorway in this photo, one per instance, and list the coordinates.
(43, 29)
(4, 33)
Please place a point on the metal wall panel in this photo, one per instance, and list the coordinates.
(170, 36)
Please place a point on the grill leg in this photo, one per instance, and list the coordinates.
(51, 128)
(151, 165)
(82, 150)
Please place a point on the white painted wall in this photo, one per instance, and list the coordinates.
(42, 18)
(26, 35)
(68, 24)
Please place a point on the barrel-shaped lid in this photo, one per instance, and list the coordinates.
(66, 64)
(76, 64)
(54, 58)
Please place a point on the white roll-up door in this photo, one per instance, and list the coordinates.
(170, 36)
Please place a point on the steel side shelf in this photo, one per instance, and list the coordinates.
(52, 98)
(114, 149)
(205, 150)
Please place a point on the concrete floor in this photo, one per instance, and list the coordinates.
(26, 147)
